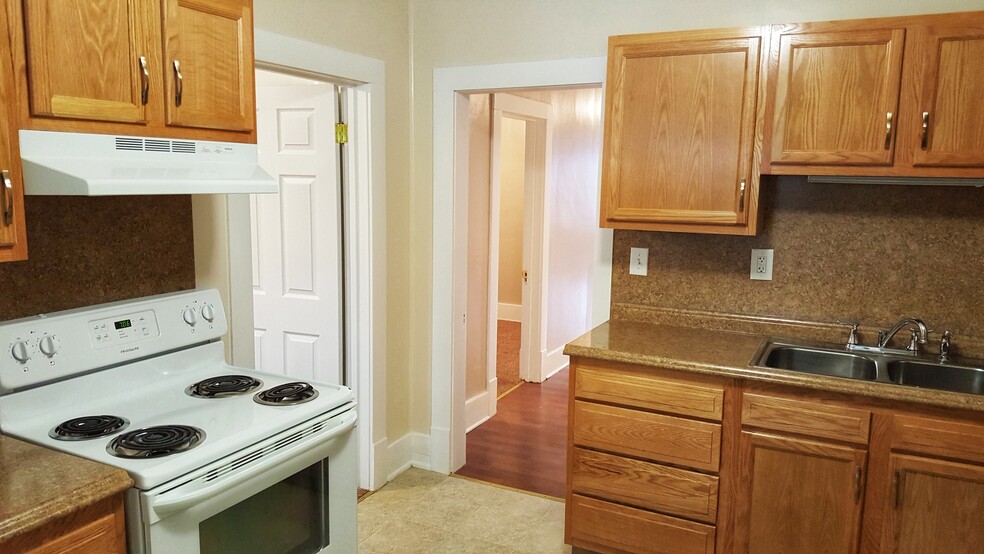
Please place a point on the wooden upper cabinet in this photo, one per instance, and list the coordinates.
(13, 236)
(949, 83)
(682, 113)
(209, 53)
(798, 495)
(935, 507)
(91, 59)
(836, 95)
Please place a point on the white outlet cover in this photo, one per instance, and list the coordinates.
(761, 268)
(638, 261)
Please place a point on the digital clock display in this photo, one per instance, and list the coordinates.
(123, 324)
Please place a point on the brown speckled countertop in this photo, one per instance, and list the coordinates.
(727, 354)
(38, 485)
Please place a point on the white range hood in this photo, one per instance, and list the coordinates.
(82, 164)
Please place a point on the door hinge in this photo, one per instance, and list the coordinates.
(341, 133)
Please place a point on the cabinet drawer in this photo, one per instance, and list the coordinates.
(645, 484)
(658, 393)
(603, 526)
(938, 437)
(662, 438)
(805, 417)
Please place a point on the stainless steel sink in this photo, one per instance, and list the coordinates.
(937, 376)
(822, 362)
(890, 367)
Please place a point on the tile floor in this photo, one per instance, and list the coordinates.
(422, 511)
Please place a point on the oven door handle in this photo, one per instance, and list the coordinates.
(175, 501)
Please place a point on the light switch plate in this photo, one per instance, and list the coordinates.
(638, 261)
(761, 264)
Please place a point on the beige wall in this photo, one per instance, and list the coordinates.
(442, 33)
(512, 182)
(479, 149)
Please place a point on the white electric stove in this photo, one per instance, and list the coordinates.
(223, 459)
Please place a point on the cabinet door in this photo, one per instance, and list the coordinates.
(836, 95)
(799, 495)
(13, 240)
(90, 59)
(680, 123)
(950, 87)
(936, 507)
(209, 57)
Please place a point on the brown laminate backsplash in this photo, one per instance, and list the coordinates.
(84, 251)
(869, 253)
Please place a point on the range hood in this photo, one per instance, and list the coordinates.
(82, 164)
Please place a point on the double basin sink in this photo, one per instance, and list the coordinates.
(885, 367)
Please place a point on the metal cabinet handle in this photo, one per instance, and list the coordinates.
(857, 483)
(741, 197)
(924, 142)
(179, 84)
(897, 489)
(888, 130)
(144, 80)
(8, 199)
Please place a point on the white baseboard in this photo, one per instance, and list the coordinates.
(510, 312)
(476, 410)
(553, 362)
(410, 450)
(380, 455)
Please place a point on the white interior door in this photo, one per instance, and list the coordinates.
(297, 263)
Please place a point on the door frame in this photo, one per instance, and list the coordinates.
(449, 288)
(364, 235)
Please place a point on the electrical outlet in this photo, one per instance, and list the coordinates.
(761, 264)
(638, 261)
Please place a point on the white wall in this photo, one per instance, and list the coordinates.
(512, 182)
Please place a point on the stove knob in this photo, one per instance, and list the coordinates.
(19, 351)
(208, 312)
(48, 345)
(189, 316)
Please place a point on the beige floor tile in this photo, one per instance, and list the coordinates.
(403, 536)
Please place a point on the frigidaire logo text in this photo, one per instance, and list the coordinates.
(127, 350)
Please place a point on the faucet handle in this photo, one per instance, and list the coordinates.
(945, 346)
(913, 341)
(852, 338)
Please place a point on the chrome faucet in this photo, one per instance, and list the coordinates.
(919, 333)
(945, 346)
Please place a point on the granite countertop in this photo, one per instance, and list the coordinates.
(38, 485)
(727, 354)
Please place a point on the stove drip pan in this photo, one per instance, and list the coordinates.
(88, 427)
(223, 386)
(287, 394)
(154, 442)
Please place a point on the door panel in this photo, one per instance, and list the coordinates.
(837, 96)
(297, 235)
(212, 41)
(952, 86)
(83, 58)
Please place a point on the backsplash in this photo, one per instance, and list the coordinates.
(84, 251)
(852, 252)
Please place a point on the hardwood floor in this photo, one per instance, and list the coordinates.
(523, 446)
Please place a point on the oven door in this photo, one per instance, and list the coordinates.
(293, 493)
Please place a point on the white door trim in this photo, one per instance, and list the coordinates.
(364, 235)
(447, 444)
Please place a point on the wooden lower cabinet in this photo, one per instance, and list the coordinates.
(798, 495)
(609, 527)
(99, 528)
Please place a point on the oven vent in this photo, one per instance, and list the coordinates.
(136, 144)
(263, 452)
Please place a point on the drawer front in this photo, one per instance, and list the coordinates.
(602, 526)
(805, 417)
(657, 437)
(657, 393)
(646, 485)
(964, 441)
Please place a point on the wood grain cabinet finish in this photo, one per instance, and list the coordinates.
(798, 495)
(642, 388)
(682, 122)
(13, 233)
(169, 68)
(209, 53)
(608, 527)
(99, 528)
(805, 417)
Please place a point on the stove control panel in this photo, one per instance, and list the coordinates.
(123, 329)
(51, 347)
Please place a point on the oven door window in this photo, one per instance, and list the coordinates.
(288, 517)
